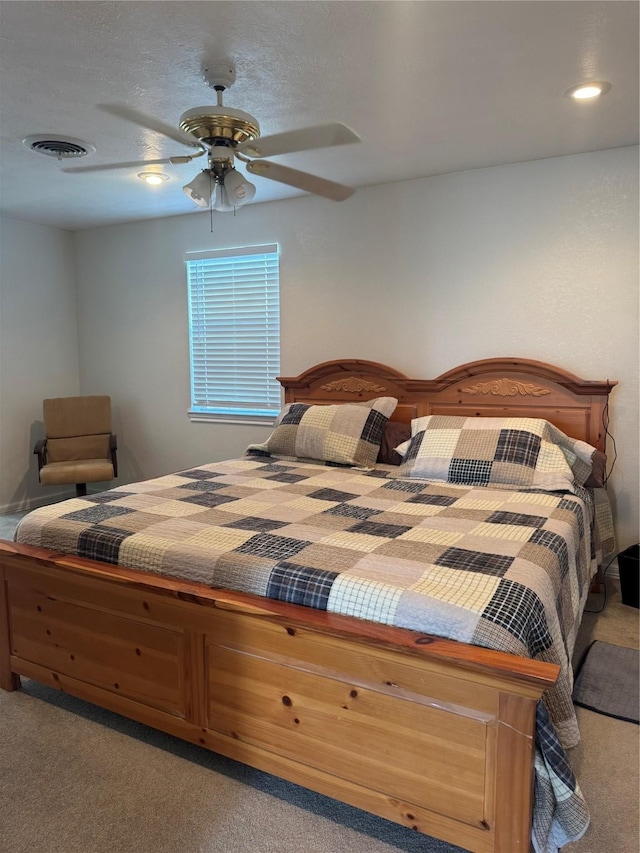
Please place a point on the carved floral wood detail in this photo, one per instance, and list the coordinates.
(353, 385)
(506, 388)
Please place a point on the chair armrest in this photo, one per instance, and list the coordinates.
(40, 450)
(113, 446)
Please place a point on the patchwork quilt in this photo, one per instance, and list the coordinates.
(506, 568)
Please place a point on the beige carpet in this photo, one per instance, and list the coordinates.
(77, 779)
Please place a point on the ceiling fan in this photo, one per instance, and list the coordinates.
(225, 134)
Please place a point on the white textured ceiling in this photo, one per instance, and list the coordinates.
(431, 87)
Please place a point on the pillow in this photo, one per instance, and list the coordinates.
(598, 473)
(343, 433)
(525, 452)
(395, 433)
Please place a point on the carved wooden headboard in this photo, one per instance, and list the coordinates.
(494, 387)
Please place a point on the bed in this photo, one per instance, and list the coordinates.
(346, 694)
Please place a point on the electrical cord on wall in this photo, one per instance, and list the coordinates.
(605, 424)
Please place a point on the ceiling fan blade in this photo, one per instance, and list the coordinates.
(149, 123)
(301, 180)
(132, 164)
(321, 136)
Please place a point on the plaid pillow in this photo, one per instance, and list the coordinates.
(343, 434)
(525, 452)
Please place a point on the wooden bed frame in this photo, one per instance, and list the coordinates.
(433, 734)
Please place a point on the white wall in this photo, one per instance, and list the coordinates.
(38, 348)
(537, 260)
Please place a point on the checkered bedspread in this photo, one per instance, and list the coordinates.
(507, 569)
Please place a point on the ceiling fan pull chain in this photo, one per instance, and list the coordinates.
(211, 195)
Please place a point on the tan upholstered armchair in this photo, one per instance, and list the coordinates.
(79, 446)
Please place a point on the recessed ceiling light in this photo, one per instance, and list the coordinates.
(153, 177)
(587, 91)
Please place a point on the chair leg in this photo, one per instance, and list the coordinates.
(81, 490)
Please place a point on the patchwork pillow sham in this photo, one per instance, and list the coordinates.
(341, 434)
(524, 452)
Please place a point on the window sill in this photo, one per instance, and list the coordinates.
(245, 420)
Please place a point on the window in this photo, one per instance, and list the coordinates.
(234, 334)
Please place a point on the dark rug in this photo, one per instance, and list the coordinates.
(607, 681)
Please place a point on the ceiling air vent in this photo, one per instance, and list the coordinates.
(62, 149)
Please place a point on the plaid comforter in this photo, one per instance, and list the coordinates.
(503, 568)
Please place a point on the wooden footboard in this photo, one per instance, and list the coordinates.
(433, 734)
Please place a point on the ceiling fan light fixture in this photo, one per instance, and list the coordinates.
(153, 178)
(222, 202)
(238, 189)
(200, 189)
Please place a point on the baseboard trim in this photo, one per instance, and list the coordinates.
(27, 504)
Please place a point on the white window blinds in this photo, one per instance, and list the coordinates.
(234, 331)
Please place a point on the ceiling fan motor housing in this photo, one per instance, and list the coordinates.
(210, 124)
(220, 159)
